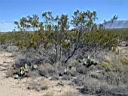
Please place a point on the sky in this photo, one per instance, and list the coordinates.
(13, 10)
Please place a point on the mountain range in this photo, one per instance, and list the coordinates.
(116, 24)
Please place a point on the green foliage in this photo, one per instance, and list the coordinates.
(103, 39)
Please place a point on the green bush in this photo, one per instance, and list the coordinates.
(104, 39)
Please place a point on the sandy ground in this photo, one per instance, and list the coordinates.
(10, 86)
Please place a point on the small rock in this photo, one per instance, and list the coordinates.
(16, 76)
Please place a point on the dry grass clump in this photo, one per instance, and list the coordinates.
(69, 92)
(37, 86)
(116, 71)
(105, 65)
(124, 61)
(95, 86)
(49, 94)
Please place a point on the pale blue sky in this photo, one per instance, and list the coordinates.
(11, 10)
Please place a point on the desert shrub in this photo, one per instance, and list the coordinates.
(93, 86)
(124, 61)
(115, 74)
(105, 66)
(46, 70)
(37, 86)
(12, 49)
(107, 38)
(103, 39)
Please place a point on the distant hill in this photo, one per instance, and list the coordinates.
(116, 24)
